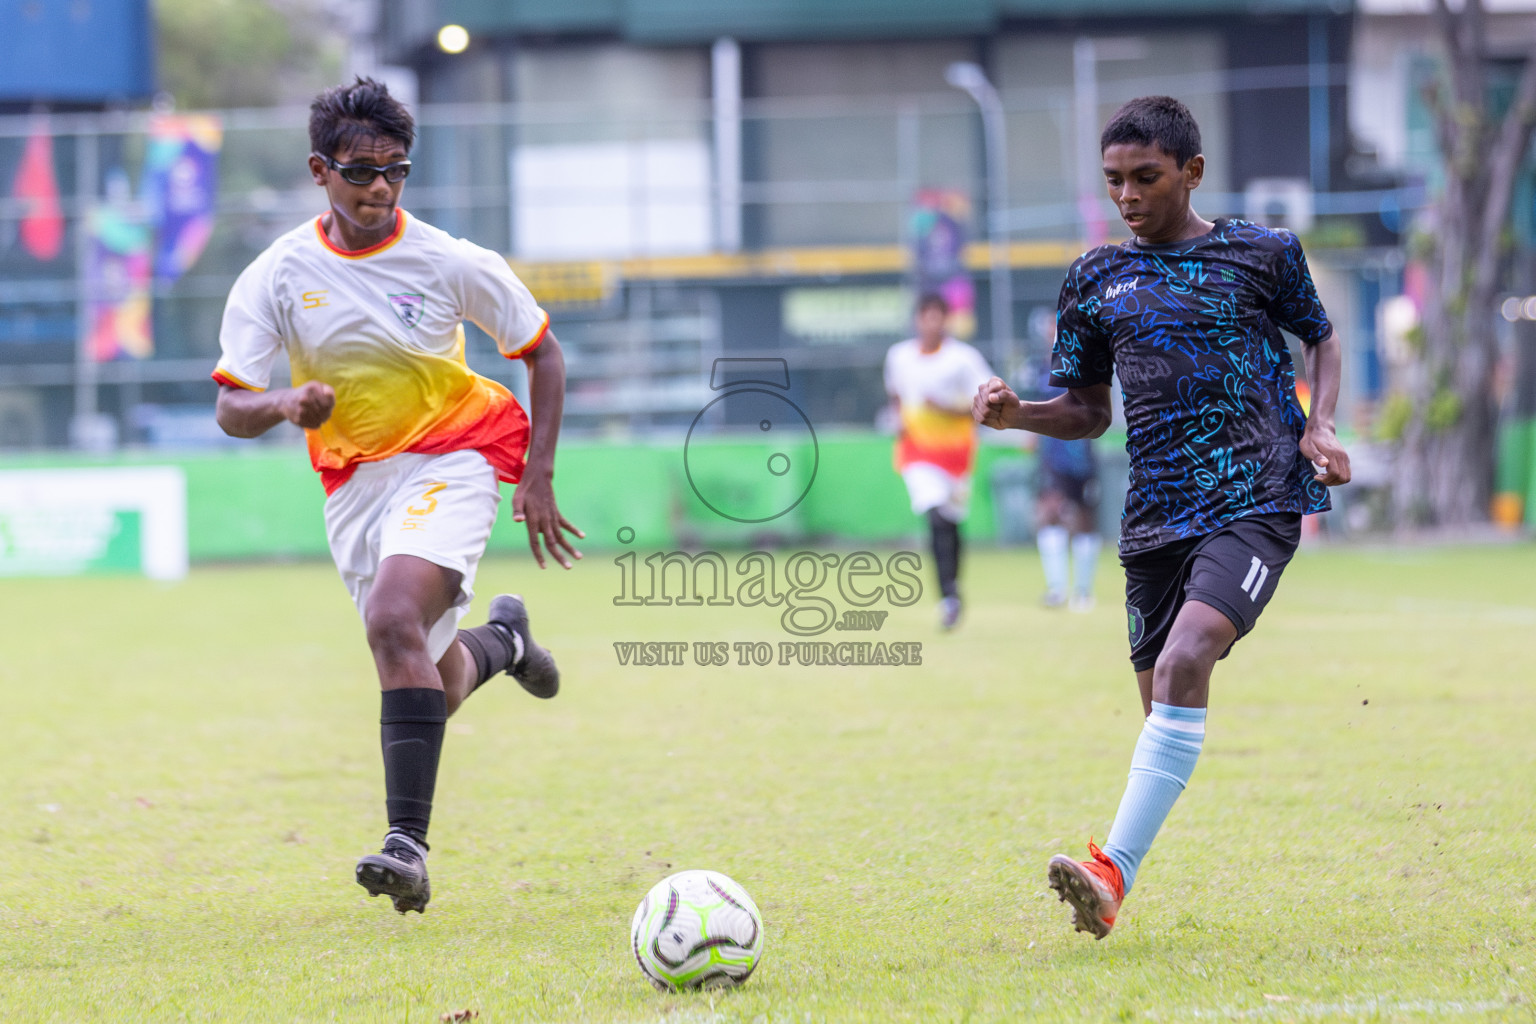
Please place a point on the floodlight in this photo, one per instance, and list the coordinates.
(453, 39)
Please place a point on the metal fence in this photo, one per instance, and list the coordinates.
(632, 202)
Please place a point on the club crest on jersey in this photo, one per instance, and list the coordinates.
(408, 307)
(1119, 288)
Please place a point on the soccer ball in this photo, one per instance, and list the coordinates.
(696, 929)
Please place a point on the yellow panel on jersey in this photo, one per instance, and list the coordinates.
(934, 388)
(392, 400)
(939, 438)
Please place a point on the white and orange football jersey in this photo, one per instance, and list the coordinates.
(928, 385)
(383, 326)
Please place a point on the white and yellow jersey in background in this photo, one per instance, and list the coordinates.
(383, 326)
(934, 390)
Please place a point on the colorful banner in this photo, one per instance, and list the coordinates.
(938, 240)
(37, 189)
(118, 274)
(180, 187)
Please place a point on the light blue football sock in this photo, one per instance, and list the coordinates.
(1160, 769)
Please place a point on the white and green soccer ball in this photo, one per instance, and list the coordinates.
(697, 929)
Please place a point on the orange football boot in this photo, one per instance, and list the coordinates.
(1093, 887)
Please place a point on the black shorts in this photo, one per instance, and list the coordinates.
(1234, 569)
(1082, 491)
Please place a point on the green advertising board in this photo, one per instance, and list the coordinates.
(92, 540)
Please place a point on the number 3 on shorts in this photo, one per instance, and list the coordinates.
(1258, 572)
(431, 503)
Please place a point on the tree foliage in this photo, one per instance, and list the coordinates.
(245, 53)
(1445, 468)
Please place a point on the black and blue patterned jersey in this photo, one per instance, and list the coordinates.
(1192, 330)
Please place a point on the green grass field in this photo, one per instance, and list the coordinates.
(192, 769)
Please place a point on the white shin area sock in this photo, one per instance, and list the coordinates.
(1052, 542)
(1085, 562)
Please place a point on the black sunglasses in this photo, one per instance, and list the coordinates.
(363, 174)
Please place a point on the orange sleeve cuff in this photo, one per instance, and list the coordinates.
(535, 342)
(229, 380)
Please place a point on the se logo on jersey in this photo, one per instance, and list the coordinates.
(408, 307)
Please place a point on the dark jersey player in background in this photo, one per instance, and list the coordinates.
(1067, 518)
(1188, 314)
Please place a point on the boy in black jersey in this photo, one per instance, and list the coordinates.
(1188, 314)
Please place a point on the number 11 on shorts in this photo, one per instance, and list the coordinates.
(1258, 572)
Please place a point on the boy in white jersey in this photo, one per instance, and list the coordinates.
(930, 380)
(368, 303)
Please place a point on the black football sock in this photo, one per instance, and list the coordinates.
(946, 551)
(411, 729)
(958, 543)
(494, 648)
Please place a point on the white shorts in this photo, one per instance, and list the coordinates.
(437, 507)
(930, 488)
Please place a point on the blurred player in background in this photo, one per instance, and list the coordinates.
(1224, 463)
(368, 303)
(1066, 518)
(931, 379)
